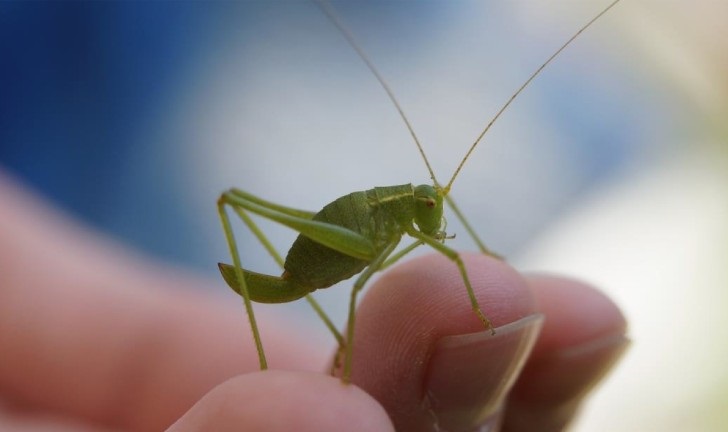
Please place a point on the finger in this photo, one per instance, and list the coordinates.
(87, 331)
(422, 352)
(285, 401)
(582, 338)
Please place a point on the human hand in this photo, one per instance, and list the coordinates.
(94, 339)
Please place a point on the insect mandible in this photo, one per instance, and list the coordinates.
(355, 234)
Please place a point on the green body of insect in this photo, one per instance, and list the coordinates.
(380, 216)
(355, 234)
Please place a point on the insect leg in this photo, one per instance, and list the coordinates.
(469, 229)
(396, 257)
(253, 227)
(239, 193)
(333, 236)
(230, 238)
(277, 257)
(374, 267)
(454, 256)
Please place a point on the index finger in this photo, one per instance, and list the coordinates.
(89, 331)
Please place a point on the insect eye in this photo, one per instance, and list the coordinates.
(430, 203)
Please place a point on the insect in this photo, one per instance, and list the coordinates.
(356, 234)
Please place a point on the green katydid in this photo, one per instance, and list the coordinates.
(355, 234)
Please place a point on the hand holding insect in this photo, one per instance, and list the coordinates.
(421, 356)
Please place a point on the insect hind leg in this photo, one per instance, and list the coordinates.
(234, 198)
(232, 246)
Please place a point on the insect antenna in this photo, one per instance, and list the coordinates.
(329, 12)
(520, 89)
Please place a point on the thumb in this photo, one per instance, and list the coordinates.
(283, 401)
(426, 357)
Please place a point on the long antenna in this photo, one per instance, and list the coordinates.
(326, 8)
(520, 89)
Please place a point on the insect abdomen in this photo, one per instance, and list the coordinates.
(365, 212)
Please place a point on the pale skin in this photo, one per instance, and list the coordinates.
(104, 339)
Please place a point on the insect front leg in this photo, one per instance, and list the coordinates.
(455, 257)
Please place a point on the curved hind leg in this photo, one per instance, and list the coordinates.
(257, 287)
(242, 286)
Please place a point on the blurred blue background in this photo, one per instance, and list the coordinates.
(82, 85)
(92, 94)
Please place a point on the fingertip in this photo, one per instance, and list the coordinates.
(430, 289)
(415, 305)
(582, 339)
(576, 313)
(284, 401)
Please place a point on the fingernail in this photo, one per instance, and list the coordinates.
(570, 373)
(470, 375)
